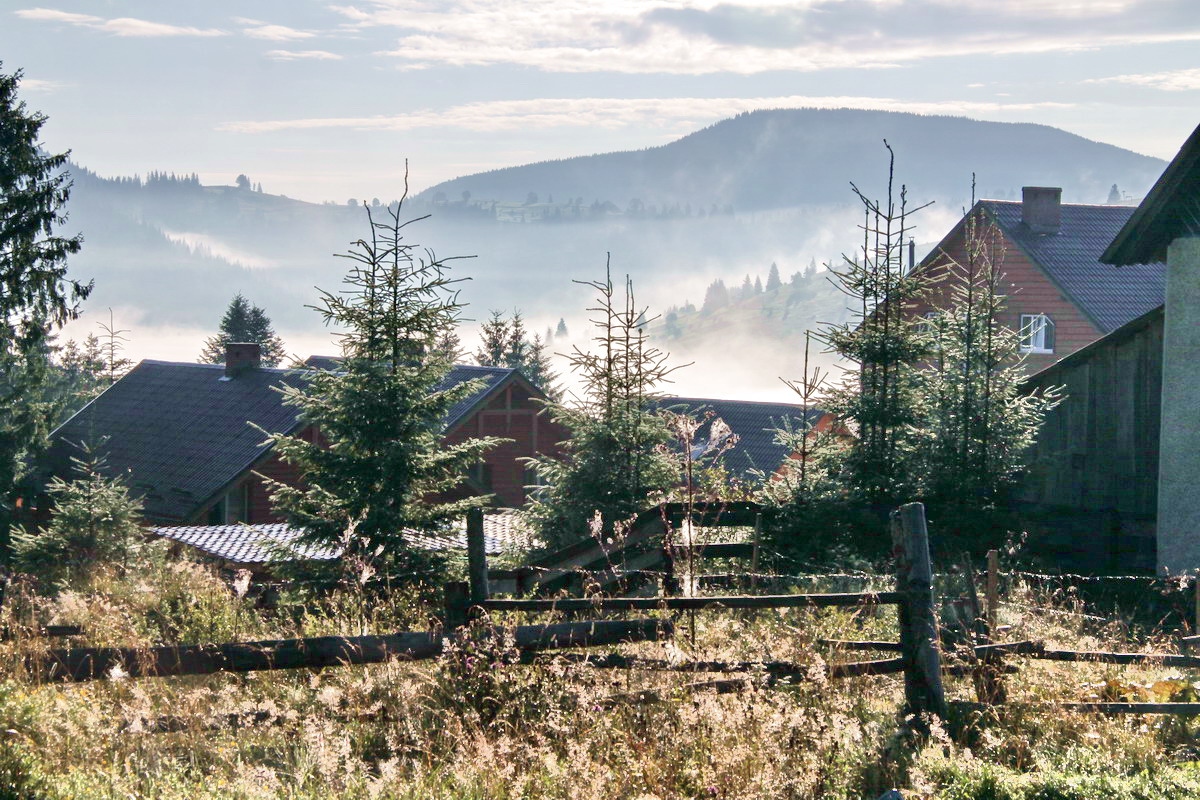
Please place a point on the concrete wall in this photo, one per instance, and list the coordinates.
(1179, 465)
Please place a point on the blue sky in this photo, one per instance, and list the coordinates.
(325, 101)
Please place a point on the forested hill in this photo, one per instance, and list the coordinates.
(787, 157)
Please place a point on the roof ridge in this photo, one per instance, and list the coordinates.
(726, 400)
(162, 363)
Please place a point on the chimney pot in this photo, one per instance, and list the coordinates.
(241, 356)
(1041, 208)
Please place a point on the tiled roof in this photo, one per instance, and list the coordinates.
(459, 373)
(1110, 297)
(754, 423)
(179, 432)
(258, 544)
(1170, 210)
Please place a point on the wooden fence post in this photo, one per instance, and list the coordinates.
(458, 599)
(476, 556)
(754, 552)
(923, 691)
(993, 590)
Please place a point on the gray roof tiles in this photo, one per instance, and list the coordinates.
(753, 422)
(245, 545)
(1110, 297)
(179, 432)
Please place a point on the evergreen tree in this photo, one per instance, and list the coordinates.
(548, 337)
(111, 346)
(561, 331)
(1114, 196)
(243, 322)
(773, 281)
(974, 426)
(449, 346)
(80, 372)
(516, 351)
(811, 272)
(715, 296)
(747, 290)
(615, 462)
(758, 287)
(376, 484)
(538, 370)
(878, 400)
(494, 340)
(37, 295)
(95, 522)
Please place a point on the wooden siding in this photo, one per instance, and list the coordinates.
(1028, 291)
(1093, 479)
(512, 414)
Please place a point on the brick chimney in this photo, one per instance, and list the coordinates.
(1041, 208)
(241, 356)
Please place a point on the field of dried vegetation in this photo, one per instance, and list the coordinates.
(474, 724)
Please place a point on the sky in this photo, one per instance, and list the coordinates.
(326, 101)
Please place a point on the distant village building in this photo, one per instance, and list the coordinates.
(1060, 297)
(183, 435)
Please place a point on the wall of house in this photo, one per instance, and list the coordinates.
(1028, 291)
(513, 414)
(1092, 487)
(1179, 508)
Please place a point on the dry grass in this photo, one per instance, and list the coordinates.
(472, 725)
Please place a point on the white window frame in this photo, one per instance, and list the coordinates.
(1033, 333)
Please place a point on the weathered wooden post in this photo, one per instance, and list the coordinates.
(919, 643)
(993, 590)
(754, 552)
(458, 600)
(477, 570)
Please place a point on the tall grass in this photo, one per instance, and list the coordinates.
(475, 724)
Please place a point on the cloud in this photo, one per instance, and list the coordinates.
(1180, 80)
(292, 55)
(680, 112)
(35, 85)
(119, 26)
(752, 36)
(257, 29)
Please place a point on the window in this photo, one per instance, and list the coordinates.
(231, 509)
(480, 474)
(1037, 333)
(925, 324)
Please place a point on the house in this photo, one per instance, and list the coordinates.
(1091, 490)
(1166, 226)
(756, 448)
(256, 546)
(1059, 295)
(1112, 482)
(184, 435)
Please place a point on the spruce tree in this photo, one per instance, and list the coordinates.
(516, 351)
(379, 481)
(561, 331)
(243, 322)
(37, 297)
(773, 281)
(616, 462)
(95, 523)
(975, 425)
(538, 370)
(883, 340)
(494, 340)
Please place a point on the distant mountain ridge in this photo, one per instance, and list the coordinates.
(782, 158)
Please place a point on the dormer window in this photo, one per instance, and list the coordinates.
(1037, 333)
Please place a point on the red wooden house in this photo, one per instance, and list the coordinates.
(1059, 296)
(181, 434)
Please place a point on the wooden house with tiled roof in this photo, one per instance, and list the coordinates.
(186, 436)
(1059, 294)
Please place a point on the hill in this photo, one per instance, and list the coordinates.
(789, 157)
